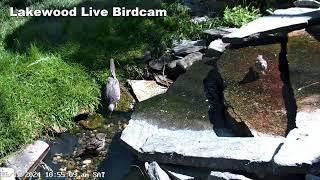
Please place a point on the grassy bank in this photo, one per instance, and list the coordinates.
(50, 68)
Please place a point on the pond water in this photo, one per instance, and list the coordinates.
(116, 163)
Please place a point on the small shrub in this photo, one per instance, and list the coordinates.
(239, 15)
(134, 72)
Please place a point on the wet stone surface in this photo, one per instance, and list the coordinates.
(251, 96)
(268, 102)
(184, 106)
(304, 59)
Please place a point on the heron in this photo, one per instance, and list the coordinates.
(112, 91)
(261, 64)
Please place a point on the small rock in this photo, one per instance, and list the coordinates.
(144, 90)
(87, 162)
(155, 172)
(214, 175)
(124, 125)
(304, 139)
(163, 80)
(58, 129)
(307, 3)
(158, 64)
(188, 60)
(63, 169)
(216, 48)
(197, 20)
(71, 166)
(93, 122)
(146, 56)
(187, 47)
(108, 141)
(96, 143)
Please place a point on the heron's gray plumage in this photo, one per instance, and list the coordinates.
(112, 91)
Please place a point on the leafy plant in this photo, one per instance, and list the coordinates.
(133, 71)
(239, 15)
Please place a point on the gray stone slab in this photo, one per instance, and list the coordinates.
(187, 47)
(187, 61)
(200, 148)
(28, 159)
(215, 175)
(219, 32)
(183, 106)
(155, 172)
(216, 48)
(301, 149)
(139, 131)
(158, 64)
(144, 89)
(178, 176)
(197, 20)
(284, 20)
(307, 3)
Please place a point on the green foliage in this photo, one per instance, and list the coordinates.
(133, 71)
(179, 25)
(239, 15)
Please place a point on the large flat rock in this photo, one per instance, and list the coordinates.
(187, 47)
(184, 106)
(301, 149)
(267, 103)
(250, 96)
(304, 62)
(28, 159)
(284, 20)
(200, 148)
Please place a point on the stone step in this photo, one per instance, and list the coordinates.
(214, 175)
(282, 21)
(28, 159)
(201, 148)
(204, 149)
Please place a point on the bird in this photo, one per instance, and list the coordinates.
(112, 90)
(97, 143)
(261, 64)
(93, 145)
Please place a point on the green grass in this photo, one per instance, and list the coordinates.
(240, 15)
(50, 68)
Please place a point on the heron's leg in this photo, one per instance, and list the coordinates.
(163, 69)
(109, 114)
